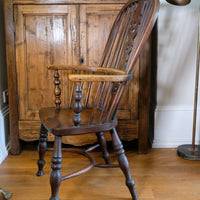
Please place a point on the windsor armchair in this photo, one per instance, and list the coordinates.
(87, 113)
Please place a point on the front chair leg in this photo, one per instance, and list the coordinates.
(55, 178)
(102, 142)
(123, 163)
(42, 146)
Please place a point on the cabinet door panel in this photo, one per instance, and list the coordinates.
(44, 35)
(95, 25)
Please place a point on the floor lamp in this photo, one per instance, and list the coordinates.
(192, 151)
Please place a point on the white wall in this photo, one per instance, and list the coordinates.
(177, 50)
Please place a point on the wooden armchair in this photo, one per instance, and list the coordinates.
(88, 113)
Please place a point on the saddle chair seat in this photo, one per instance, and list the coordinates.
(59, 121)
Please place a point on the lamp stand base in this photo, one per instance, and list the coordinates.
(187, 152)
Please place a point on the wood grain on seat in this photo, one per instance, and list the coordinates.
(59, 121)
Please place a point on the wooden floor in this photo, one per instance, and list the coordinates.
(159, 175)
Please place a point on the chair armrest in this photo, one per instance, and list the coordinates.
(99, 78)
(86, 68)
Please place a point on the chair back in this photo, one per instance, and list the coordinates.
(128, 35)
(131, 29)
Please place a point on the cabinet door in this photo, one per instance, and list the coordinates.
(95, 25)
(45, 34)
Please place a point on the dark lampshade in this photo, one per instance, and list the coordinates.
(179, 2)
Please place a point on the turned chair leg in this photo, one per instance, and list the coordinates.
(42, 146)
(55, 178)
(102, 142)
(123, 163)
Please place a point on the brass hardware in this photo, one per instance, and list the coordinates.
(6, 194)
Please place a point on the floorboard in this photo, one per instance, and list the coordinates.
(159, 175)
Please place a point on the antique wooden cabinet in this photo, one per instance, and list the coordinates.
(42, 32)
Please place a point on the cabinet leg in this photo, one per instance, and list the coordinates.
(42, 146)
(55, 178)
(123, 163)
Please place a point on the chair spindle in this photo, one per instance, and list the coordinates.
(57, 90)
(77, 105)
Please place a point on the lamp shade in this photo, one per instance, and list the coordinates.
(179, 2)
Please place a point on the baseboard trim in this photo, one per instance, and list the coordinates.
(8, 147)
(4, 152)
(174, 108)
(169, 144)
(4, 111)
(173, 126)
(4, 149)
